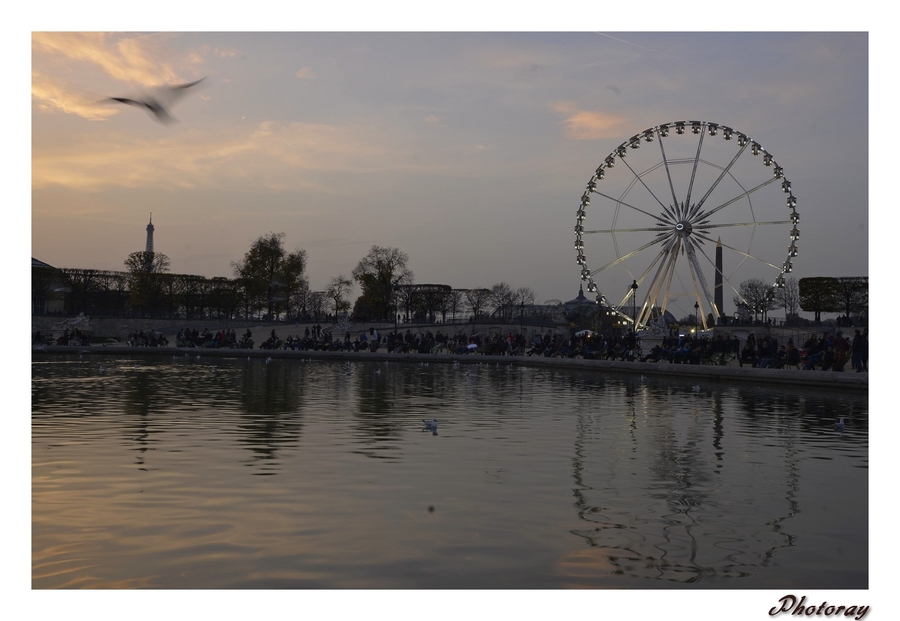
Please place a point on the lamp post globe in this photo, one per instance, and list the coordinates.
(634, 287)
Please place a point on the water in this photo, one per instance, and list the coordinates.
(233, 473)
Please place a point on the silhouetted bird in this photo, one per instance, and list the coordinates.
(158, 103)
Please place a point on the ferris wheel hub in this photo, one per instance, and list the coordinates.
(684, 227)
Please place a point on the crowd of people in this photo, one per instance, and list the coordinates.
(191, 337)
(68, 337)
(151, 338)
(828, 352)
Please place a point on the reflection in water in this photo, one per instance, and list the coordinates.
(271, 397)
(693, 524)
(148, 475)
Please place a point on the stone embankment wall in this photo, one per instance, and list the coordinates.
(121, 327)
(689, 375)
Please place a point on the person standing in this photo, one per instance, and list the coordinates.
(857, 347)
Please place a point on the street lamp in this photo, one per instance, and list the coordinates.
(396, 310)
(634, 287)
(696, 316)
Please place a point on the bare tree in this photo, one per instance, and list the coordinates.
(852, 295)
(476, 299)
(524, 296)
(455, 302)
(337, 288)
(789, 297)
(758, 296)
(502, 300)
(316, 303)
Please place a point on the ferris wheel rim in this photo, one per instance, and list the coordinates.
(681, 226)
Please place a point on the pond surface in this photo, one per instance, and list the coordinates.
(187, 472)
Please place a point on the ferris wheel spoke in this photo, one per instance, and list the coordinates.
(731, 224)
(740, 252)
(699, 282)
(707, 214)
(642, 230)
(724, 277)
(620, 202)
(687, 201)
(668, 288)
(662, 150)
(640, 280)
(715, 184)
(625, 257)
(646, 187)
(666, 268)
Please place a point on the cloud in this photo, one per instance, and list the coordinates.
(130, 59)
(51, 97)
(271, 156)
(586, 125)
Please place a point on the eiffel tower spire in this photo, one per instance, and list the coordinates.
(150, 234)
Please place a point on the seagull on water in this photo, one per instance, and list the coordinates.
(839, 425)
(158, 102)
(696, 389)
(430, 425)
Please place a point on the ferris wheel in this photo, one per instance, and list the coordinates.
(666, 203)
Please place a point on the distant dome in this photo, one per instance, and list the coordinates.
(580, 309)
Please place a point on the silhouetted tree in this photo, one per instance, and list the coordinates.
(852, 295)
(818, 294)
(337, 288)
(502, 301)
(758, 295)
(145, 279)
(476, 300)
(270, 272)
(377, 274)
(789, 298)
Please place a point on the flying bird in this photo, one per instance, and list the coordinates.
(159, 102)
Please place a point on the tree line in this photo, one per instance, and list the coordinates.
(847, 295)
(270, 283)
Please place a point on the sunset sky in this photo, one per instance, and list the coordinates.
(468, 151)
